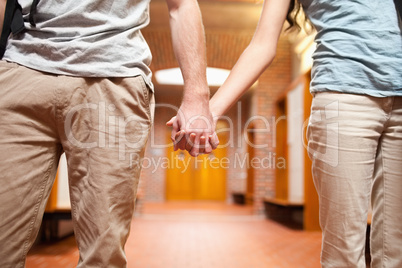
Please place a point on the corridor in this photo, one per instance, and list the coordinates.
(199, 235)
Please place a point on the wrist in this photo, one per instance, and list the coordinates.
(215, 108)
(198, 95)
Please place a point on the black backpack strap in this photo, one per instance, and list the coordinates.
(32, 12)
(13, 22)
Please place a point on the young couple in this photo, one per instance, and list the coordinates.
(78, 60)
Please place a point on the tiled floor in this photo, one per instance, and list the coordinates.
(199, 235)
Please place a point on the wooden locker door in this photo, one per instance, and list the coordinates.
(210, 176)
(201, 178)
(179, 176)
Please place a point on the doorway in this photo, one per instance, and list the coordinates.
(201, 178)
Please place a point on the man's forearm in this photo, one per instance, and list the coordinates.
(194, 118)
(189, 47)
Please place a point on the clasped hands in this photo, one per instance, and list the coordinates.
(193, 129)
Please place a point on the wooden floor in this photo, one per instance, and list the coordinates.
(199, 235)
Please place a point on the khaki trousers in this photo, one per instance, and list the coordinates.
(355, 143)
(102, 125)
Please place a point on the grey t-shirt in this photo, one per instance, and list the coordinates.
(86, 38)
(359, 47)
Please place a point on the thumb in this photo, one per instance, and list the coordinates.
(170, 122)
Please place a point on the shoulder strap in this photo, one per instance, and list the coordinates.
(398, 4)
(32, 12)
(13, 22)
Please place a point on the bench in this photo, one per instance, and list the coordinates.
(51, 227)
(289, 213)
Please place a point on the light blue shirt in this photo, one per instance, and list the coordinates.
(359, 47)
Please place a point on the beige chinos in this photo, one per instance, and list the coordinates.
(355, 143)
(102, 125)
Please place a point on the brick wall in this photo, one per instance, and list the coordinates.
(271, 84)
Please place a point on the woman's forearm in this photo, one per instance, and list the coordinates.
(255, 59)
(251, 64)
